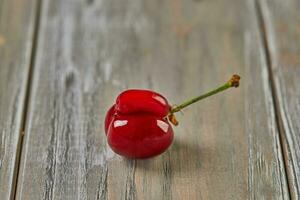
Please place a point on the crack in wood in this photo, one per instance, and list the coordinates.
(264, 35)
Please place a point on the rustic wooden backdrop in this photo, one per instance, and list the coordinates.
(63, 62)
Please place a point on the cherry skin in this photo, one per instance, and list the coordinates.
(136, 125)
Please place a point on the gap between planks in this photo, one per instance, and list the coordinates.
(279, 122)
(27, 95)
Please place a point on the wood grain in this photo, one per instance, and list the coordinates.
(17, 19)
(282, 24)
(88, 51)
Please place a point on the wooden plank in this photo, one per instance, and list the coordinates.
(225, 148)
(16, 36)
(282, 24)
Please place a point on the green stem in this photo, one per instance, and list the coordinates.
(233, 82)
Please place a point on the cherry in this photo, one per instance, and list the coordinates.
(137, 125)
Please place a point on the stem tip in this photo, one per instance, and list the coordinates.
(235, 80)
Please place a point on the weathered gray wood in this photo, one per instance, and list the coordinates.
(282, 24)
(16, 39)
(89, 51)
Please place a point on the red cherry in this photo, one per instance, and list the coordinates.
(136, 126)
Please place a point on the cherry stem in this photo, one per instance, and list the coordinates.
(233, 82)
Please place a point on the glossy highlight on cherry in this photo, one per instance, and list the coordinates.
(138, 124)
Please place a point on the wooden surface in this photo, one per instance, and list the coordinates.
(16, 40)
(58, 82)
(283, 36)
